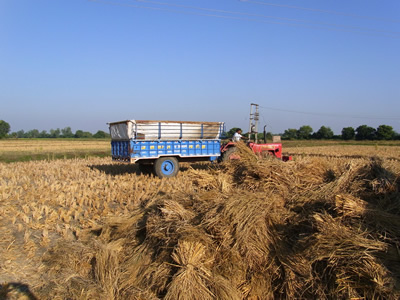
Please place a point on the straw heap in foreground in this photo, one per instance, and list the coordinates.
(249, 229)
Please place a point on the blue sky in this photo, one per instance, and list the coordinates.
(82, 63)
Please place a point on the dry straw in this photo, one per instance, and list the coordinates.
(249, 229)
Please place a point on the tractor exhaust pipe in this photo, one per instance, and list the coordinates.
(265, 135)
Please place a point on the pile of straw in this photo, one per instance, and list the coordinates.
(248, 229)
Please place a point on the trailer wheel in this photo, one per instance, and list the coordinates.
(230, 154)
(166, 167)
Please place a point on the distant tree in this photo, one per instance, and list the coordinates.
(269, 136)
(385, 132)
(4, 129)
(290, 134)
(348, 133)
(67, 132)
(44, 134)
(34, 133)
(20, 134)
(88, 135)
(78, 134)
(101, 134)
(260, 136)
(324, 133)
(55, 133)
(304, 132)
(365, 132)
(83, 134)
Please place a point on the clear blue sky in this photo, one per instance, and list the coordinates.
(82, 63)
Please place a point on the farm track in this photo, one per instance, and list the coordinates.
(75, 229)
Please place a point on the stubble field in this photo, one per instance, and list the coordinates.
(324, 226)
(49, 149)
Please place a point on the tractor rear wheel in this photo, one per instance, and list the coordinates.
(230, 154)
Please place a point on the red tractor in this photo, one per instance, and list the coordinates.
(228, 150)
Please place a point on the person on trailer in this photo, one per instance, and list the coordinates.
(238, 136)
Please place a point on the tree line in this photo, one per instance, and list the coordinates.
(53, 133)
(305, 132)
(363, 132)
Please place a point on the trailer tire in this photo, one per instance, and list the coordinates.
(166, 167)
(230, 154)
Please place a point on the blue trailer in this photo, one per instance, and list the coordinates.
(159, 146)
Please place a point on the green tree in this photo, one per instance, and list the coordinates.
(365, 132)
(4, 129)
(304, 132)
(260, 136)
(44, 134)
(101, 134)
(55, 133)
(83, 134)
(290, 134)
(348, 133)
(325, 133)
(385, 132)
(20, 133)
(67, 132)
(34, 133)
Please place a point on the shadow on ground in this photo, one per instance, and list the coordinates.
(117, 169)
(16, 290)
(122, 169)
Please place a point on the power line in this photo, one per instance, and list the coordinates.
(266, 16)
(329, 115)
(322, 11)
(377, 34)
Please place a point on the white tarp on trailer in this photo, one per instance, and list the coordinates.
(165, 130)
(121, 130)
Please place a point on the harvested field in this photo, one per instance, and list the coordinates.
(42, 149)
(360, 151)
(317, 227)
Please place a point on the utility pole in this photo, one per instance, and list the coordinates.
(254, 117)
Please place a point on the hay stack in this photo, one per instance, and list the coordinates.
(248, 229)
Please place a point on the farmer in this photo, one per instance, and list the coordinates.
(238, 136)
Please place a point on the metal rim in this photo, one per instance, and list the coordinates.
(167, 167)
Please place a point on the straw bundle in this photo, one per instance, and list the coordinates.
(348, 259)
(106, 269)
(193, 279)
